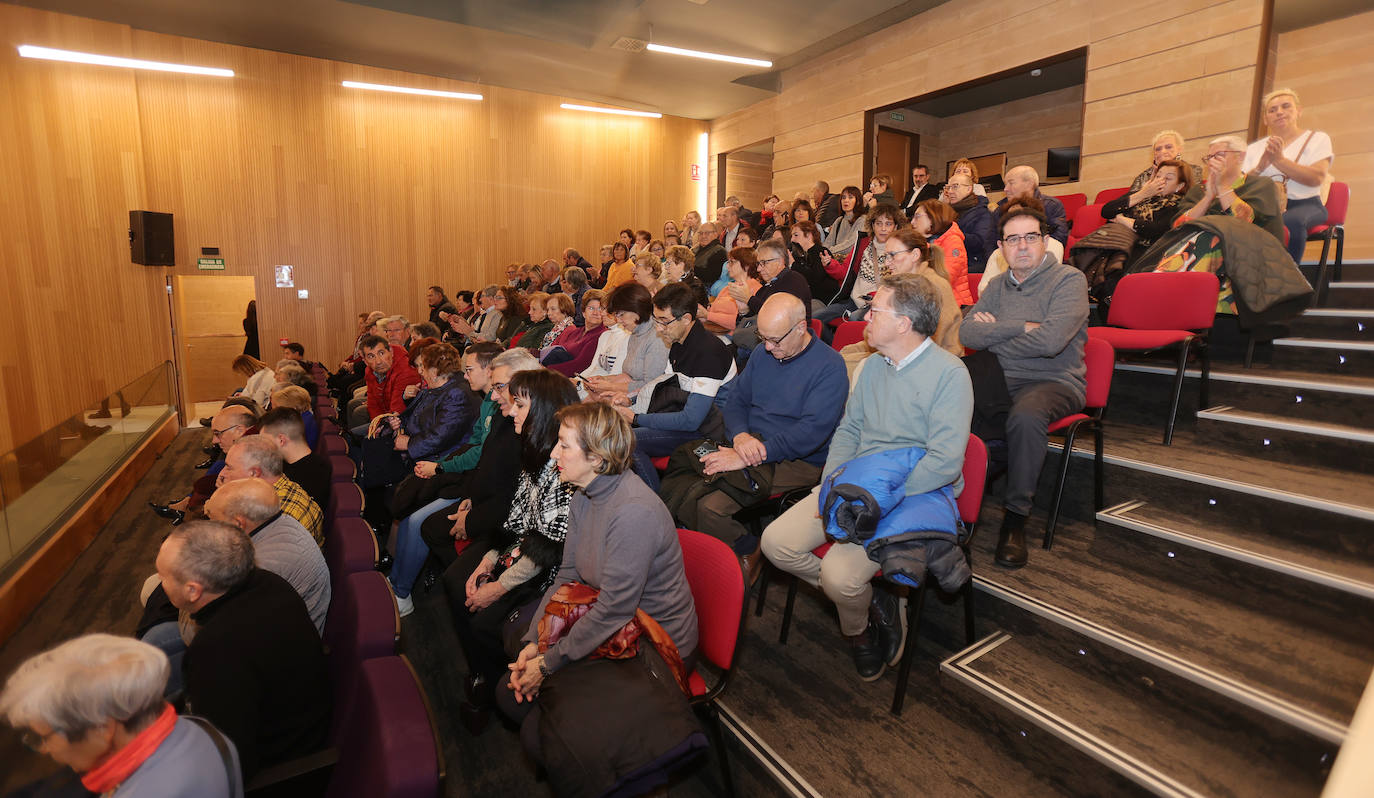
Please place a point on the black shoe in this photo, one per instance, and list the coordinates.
(103, 412)
(205, 422)
(210, 450)
(868, 654)
(178, 518)
(474, 718)
(885, 614)
(428, 580)
(165, 511)
(384, 562)
(205, 463)
(1011, 542)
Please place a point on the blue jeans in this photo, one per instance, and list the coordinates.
(1301, 216)
(411, 549)
(166, 637)
(651, 443)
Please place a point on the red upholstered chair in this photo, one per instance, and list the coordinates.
(1071, 203)
(1156, 310)
(1337, 204)
(1099, 358)
(851, 332)
(816, 327)
(1106, 195)
(719, 593)
(1087, 219)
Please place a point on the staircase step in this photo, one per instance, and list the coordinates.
(1171, 735)
(1346, 324)
(1300, 669)
(1355, 271)
(1317, 548)
(1325, 355)
(1350, 293)
(1285, 440)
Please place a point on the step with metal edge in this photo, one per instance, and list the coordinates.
(1342, 324)
(1350, 294)
(1288, 440)
(1325, 355)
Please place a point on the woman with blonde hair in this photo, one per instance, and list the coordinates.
(1298, 160)
(648, 272)
(260, 379)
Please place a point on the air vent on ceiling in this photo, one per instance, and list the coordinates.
(629, 45)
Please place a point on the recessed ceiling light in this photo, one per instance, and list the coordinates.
(732, 59)
(456, 95)
(617, 111)
(49, 54)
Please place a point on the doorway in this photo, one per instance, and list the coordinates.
(897, 151)
(746, 173)
(207, 316)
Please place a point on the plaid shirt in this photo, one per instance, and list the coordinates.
(296, 503)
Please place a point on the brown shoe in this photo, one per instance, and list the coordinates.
(752, 565)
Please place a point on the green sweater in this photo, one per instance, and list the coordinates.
(466, 460)
(927, 403)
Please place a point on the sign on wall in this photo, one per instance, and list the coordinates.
(286, 276)
(210, 264)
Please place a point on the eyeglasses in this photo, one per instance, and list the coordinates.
(891, 252)
(1030, 239)
(35, 741)
(872, 309)
(215, 433)
(778, 341)
(1219, 153)
(499, 386)
(770, 260)
(664, 324)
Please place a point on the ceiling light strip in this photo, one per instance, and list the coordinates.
(50, 54)
(456, 95)
(617, 111)
(731, 59)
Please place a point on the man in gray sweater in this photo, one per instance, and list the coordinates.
(1034, 317)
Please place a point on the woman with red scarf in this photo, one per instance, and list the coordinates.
(95, 705)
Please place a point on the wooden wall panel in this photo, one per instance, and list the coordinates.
(749, 176)
(1024, 129)
(83, 320)
(1329, 67)
(1133, 53)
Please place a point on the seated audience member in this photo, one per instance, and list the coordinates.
(396, 329)
(487, 325)
(803, 212)
(573, 282)
(776, 277)
(1035, 319)
(639, 358)
(294, 397)
(1298, 160)
(782, 217)
(687, 232)
(301, 465)
(677, 268)
(513, 274)
(288, 372)
(296, 352)
(606, 258)
(964, 166)
(351, 369)
(620, 270)
(256, 666)
(937, 221)
(997, 263)
(764, 218)
(232, 422)
(862, 279)
(511, 306)
(826, 206)
(95, 704)
(879, 192)
(515, 568)
(559, 311)
(910, 394)
(1023, 182)
(779, 417)
(612, 512)
(574, 349)
(851, 223)
(670, 230)
(648, 272)
(1167, 145)
(746, 217)
(1106, 254)
(974, 219)
(678, 406)
(439, 305)
(921, 189)
(808, 263)
(742, 275)
(388, 375)
(280, 544)
(708, 256)
(549, 276)
(438, 421)
(477, 371)
(257, 457)
(462, 304)
(908, 252)
(573, 259)
(260, 379)
(539, 324)
(728, 225)
(642, 240)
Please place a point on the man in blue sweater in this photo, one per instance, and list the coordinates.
(780, 415)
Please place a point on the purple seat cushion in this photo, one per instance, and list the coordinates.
(342, 468)
(361, 626)
(389, 748)
(349, 547)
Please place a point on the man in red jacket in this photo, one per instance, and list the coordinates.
(388, 374)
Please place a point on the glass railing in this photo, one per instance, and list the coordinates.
(45, 480)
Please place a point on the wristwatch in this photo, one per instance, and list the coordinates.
(543, 669)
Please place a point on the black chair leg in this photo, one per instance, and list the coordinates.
(1098, 468)
(718, 739)
(1250, 351)
(787, 610)
(913, 625)
(763, 588)
(1178, 391)
(1320, 288)
(1204, 390)
(1059, 485)
(1339, 233)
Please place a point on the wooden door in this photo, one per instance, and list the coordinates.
(208, 312)
(896, 152)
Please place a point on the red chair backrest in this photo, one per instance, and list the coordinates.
(1099, 357)
(1337, 203)
(974, 280)
(718, 591)
(816, 327)
(975, 479)
(849, 332)
(1071, 203)
(1165, 301)
(516, 340)
(1106, 195)
(1087, 219)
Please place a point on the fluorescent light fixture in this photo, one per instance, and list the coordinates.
(457, 95)
(617, 111)
(730, 59)
(48, 53)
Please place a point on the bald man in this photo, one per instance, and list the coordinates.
(779, 417)
(1022, 182)
(280, 544)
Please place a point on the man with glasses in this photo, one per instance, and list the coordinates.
(397, 330)
(1023, 182)
(779, 418)
(776, 278)
(911, 393)
(975, 220)
(709, 254)
(700, 368)
(1034, 318)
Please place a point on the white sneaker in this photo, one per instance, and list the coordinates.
(405, 606)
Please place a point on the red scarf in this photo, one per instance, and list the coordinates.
(122, 763)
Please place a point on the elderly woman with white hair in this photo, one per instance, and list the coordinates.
(1167, 145)
(95, 705)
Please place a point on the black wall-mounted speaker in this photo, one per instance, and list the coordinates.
(150, 238)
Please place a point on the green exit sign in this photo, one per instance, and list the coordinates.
(896, 117)
(210, 264)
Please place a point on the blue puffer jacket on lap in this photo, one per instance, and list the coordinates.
(863, 502)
